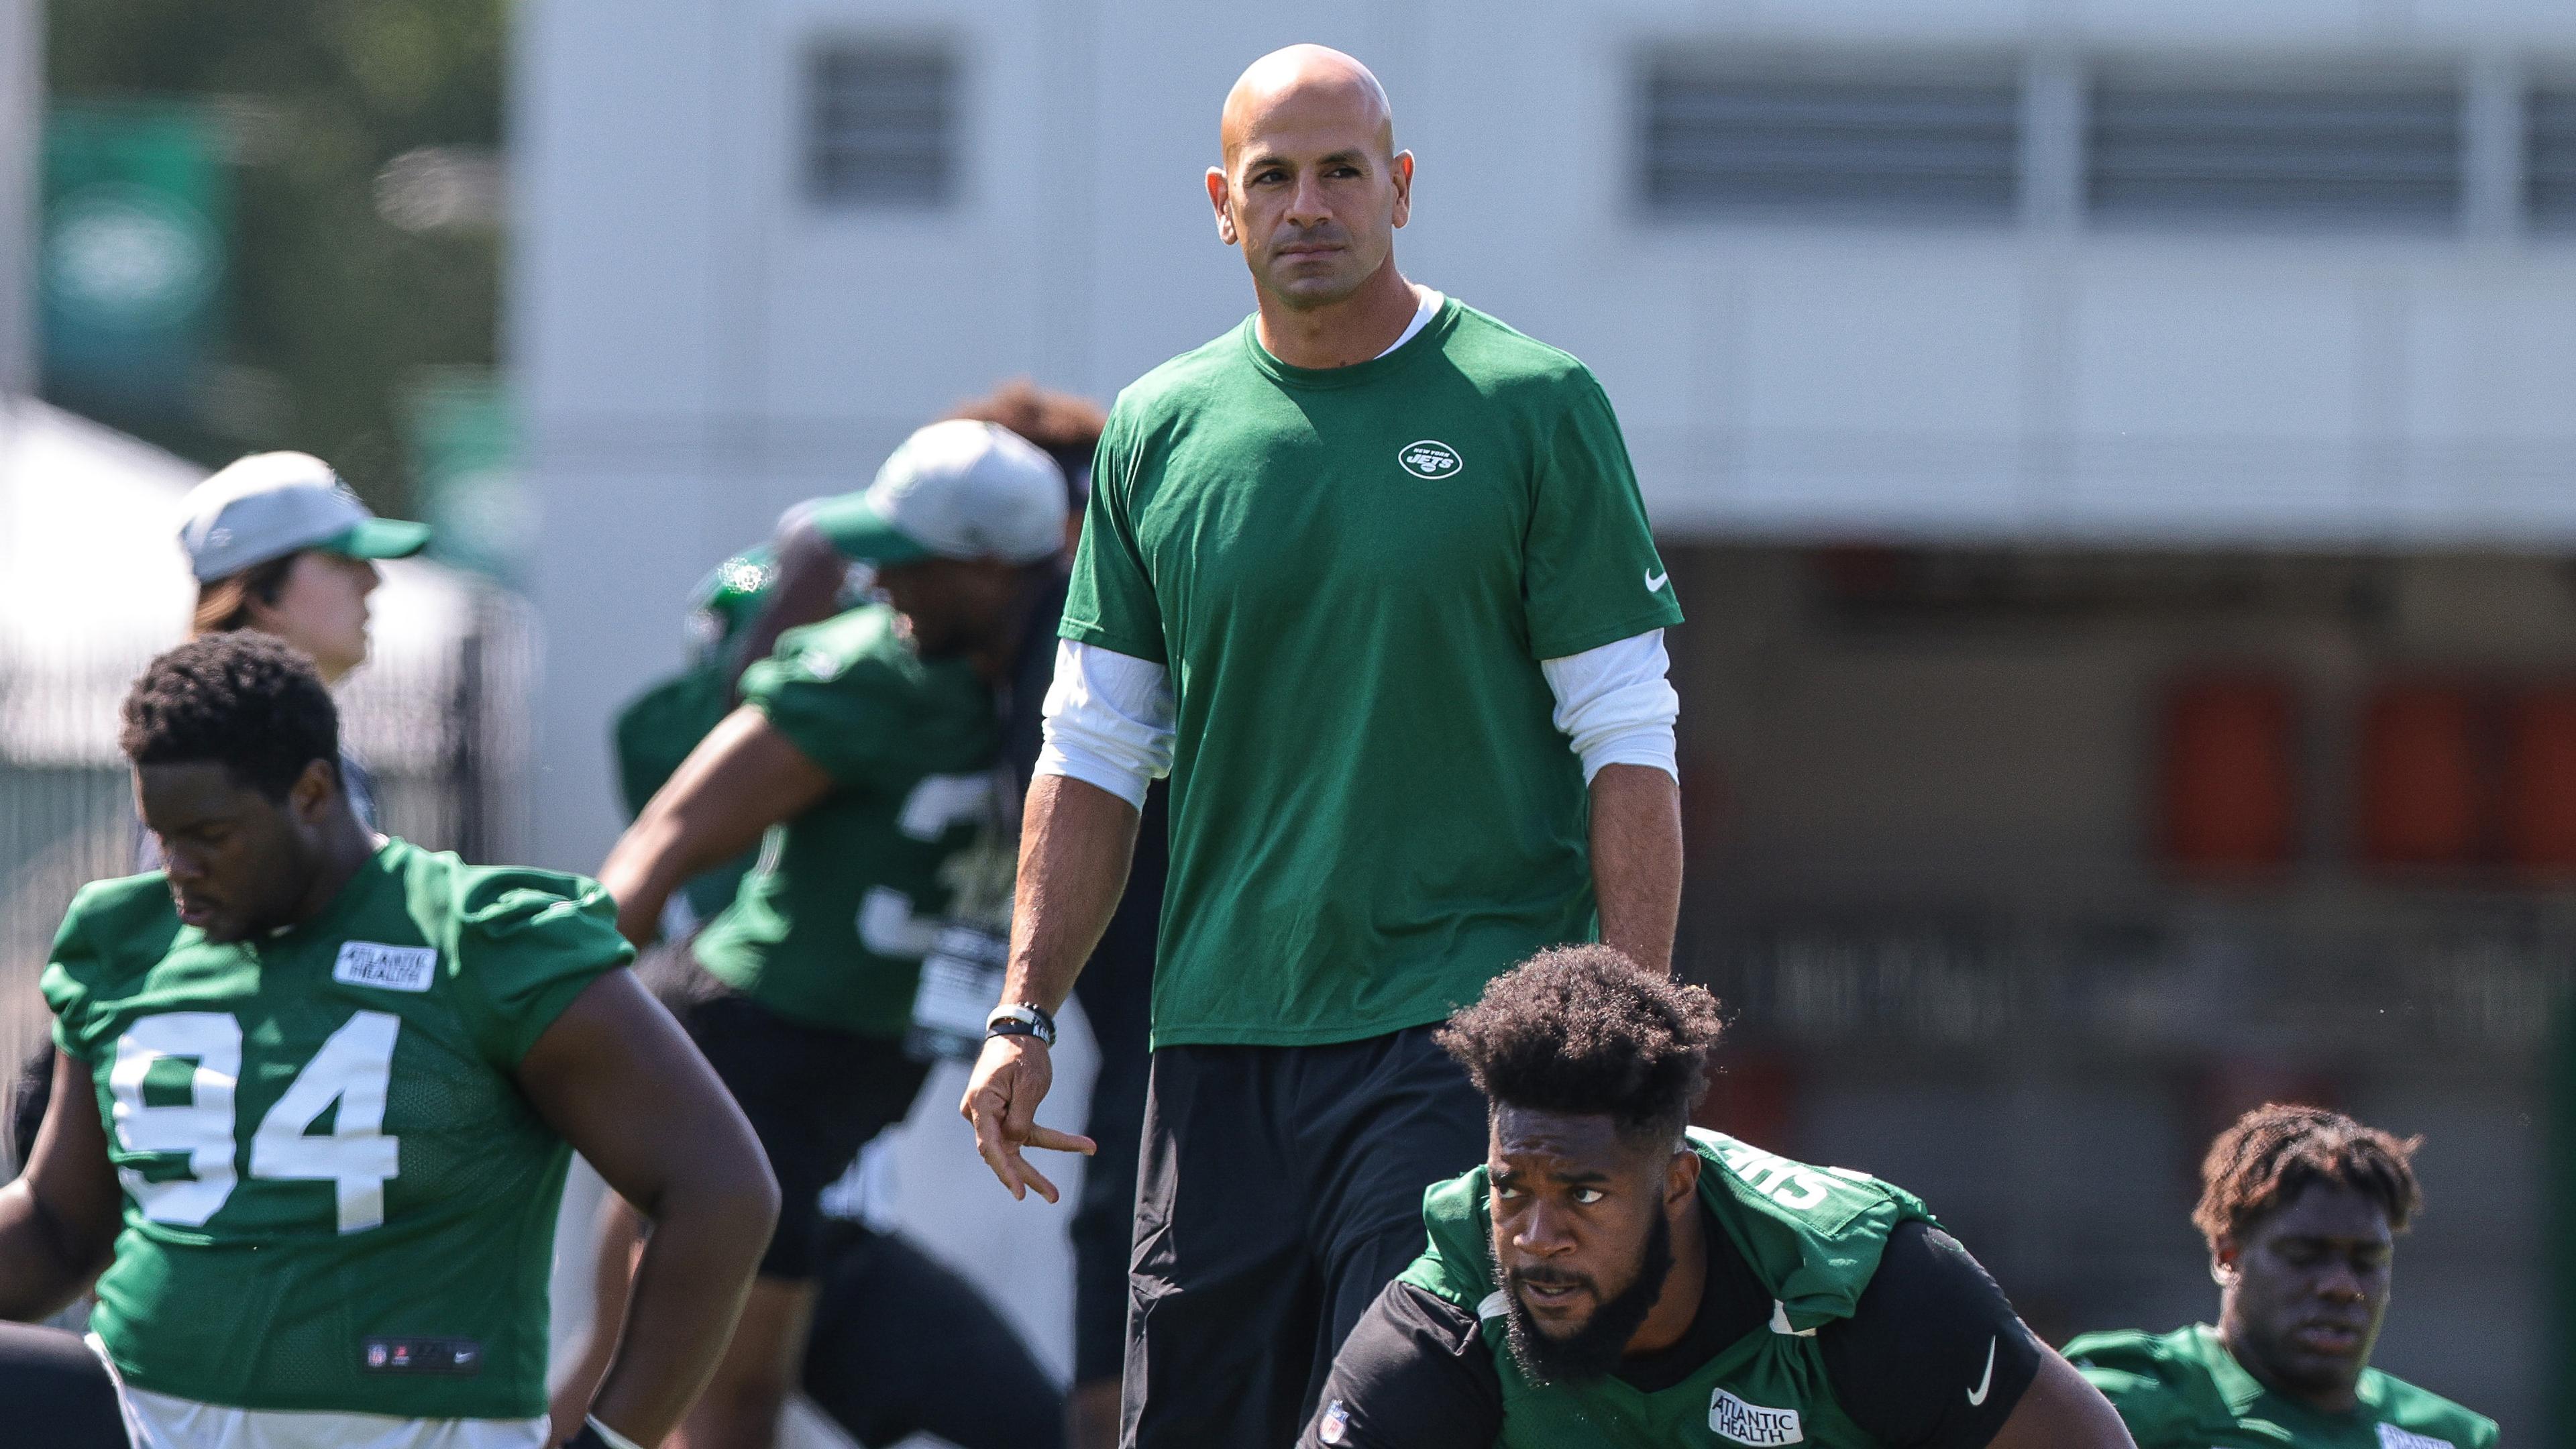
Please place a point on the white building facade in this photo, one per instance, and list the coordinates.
(1979, 319)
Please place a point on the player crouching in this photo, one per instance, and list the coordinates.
(314, 1096)
(2301, 1208)
(1611, 1277)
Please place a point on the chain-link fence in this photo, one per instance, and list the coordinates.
(440, 730)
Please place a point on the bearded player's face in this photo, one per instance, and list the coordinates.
(238, 862)
(2306, 1288)
(1582, 1236)
(950, 607)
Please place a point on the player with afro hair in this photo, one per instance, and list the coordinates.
(1613, 1277)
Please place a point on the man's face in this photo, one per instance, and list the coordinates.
(2305, 1290)
(949, 606)
(239, 863)
(1582, 1235)
(1313, 191)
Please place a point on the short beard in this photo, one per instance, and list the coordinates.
(1596, 1348)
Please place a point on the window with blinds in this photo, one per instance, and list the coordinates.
(2549, 158)
(881, 125)
(1736, 141)
(2382, 155)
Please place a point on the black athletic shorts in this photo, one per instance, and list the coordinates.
(1115, 991)
(814, 1096)
(55, 1392)
(1281, 1188)
(903, 1345)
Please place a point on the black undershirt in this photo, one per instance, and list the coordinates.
(1416, 1374)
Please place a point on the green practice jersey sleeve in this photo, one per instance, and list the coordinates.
(1111, 602)
(64, 982)
(1592, 576)
(528, 942)
(819, 698)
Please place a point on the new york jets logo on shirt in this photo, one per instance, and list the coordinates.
(1732, 1418)
(1430, 458)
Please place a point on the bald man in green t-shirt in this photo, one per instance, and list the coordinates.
(1368, 576)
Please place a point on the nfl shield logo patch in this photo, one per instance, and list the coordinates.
(1335, 1423)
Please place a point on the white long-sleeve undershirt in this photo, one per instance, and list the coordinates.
(1109, 715)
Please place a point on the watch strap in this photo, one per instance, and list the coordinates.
(1017, 1019)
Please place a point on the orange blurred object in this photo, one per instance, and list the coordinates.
(2426, 777)
(2540, 781)
(2230, 775)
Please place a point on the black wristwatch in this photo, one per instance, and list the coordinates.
(1018, 1020)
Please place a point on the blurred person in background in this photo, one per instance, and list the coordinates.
(279, 544)
(864, 752)
(901, 1343)
(282, 1287)
(814, 555)
(2301, 1208)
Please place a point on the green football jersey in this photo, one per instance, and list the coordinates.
(1812, 1235)
(655, 732)
(1352, 575)
(831, 925)
(336, 1197)
(2184, 1390)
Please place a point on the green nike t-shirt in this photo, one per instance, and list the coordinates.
(831, 925)
(1352, 575)
(2184, 1390)
(335, 1196)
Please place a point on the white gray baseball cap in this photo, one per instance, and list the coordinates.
(269, 505)
(958, 489)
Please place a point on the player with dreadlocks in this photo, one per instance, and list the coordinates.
(2301, 1208)
(1612, 1277)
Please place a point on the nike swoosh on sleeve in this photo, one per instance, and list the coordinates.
(1655, 582)
(1977, 1395)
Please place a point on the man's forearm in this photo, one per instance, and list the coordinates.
(1076, 841)
(1637, 860)
(689, 1287)
(642, 870)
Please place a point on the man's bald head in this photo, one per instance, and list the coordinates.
(1309, 79)
(1312, 187)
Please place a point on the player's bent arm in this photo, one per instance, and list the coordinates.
(58, 1221)
(1933, 1357)
(744, 777)
(1076, 841)
(1414, 1374)
(810, 571)
(2061, 1411)
(617, 1078)
(1637, 860)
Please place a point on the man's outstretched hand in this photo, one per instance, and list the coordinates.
(1002, 1096)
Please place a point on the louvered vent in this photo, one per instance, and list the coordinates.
(882, 126)
(2362, 156)
(1719, 142)
(2550, 158)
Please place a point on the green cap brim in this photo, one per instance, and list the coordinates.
(860, 532)
(379, 538)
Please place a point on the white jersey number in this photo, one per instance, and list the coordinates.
(887, 922)
(354, 1069)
